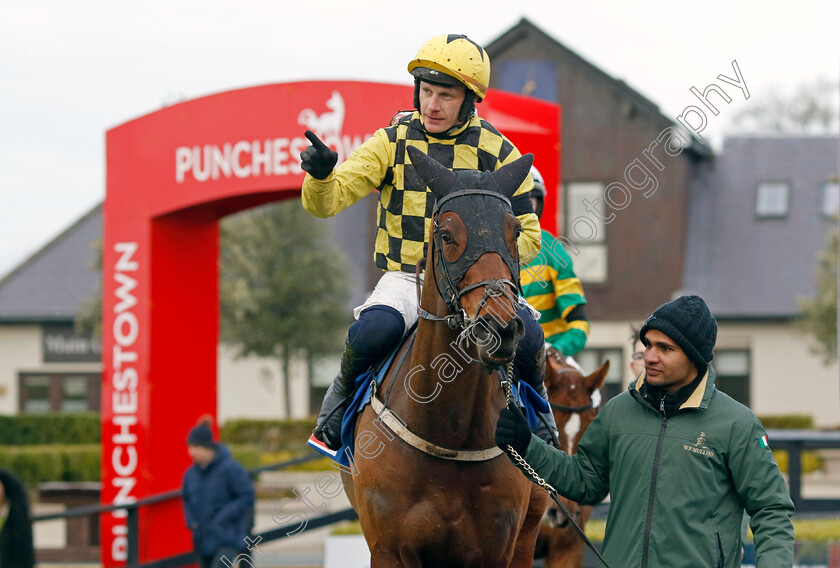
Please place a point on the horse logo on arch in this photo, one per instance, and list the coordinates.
(328, 124)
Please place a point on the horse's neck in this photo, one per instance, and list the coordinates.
(450, 399)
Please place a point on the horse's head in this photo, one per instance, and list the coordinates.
(472, 251)
(570, 396)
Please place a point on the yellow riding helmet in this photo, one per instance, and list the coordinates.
(457, 56)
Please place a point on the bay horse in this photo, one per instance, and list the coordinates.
(428, 483)
(570, 397)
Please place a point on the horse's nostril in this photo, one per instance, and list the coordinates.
(481, 333)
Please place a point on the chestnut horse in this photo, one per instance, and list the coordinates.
(428, 483)
(570, 397)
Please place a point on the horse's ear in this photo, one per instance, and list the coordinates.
(596, 379)
(440, 179)
(509, 177)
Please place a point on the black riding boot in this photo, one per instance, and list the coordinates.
(547, 429)
(338, 398)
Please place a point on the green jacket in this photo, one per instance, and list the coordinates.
(549, 284)
(678, 486)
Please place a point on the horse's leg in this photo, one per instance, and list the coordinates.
(349, 490)
(523, 553)
(570, 556)
(576, 556)
(384, 559)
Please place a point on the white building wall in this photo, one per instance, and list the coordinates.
(21, 351)
(247, 388)
(786, 377)
(613, 334)
(253, 387)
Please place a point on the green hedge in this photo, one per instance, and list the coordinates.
(37, 464)
(53, 428)
(78, 462)
(811, 460)
(269, 435)
(787, 421)
(247, 456)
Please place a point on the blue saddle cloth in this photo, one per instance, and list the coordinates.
(523, 393)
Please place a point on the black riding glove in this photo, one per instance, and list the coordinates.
(317, 159)
(513, 430)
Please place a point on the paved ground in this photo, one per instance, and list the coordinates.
(306, 550)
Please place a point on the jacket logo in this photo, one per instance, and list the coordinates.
(699, 447)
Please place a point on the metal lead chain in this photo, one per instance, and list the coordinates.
(506, 384)
(514, 454)
(531, 471)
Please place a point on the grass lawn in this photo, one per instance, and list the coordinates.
(815, 530)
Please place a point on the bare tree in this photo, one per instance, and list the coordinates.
(820, 312)
(810, 108)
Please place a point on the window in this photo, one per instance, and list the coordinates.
(528, 77)
(592, 358)
(733, 373)
(77, 392)
(35, 394)
(587, 230)
(772, 199)
(831, 199)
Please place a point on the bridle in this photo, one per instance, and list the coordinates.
(571, 409)
(447, 277)
(450, 274)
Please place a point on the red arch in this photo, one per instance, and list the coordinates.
(171, 175)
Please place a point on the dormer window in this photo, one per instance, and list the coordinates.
(772, 199)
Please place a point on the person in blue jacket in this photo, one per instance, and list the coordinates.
(218, 499)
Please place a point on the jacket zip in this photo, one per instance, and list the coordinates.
(653, 478)
(720, 558)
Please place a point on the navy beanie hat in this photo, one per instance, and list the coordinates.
(689, 323)
(201, 435)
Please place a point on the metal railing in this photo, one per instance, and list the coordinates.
(133, 509)
(794, 442)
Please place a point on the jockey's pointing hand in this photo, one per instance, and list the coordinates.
(317, 159)
(513, 430)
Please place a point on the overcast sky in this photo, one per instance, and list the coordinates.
(69, 71)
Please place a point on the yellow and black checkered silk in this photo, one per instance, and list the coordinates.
(405, 203)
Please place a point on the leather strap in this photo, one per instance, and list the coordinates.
(415, 441)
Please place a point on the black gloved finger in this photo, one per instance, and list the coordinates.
(513, 430)
(317, 159)
(319, 145)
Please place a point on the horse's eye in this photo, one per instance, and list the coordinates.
(446, 238)
(518, 232)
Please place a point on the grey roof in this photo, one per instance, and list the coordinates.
(641, 104)
(52, 284)
(744, 266)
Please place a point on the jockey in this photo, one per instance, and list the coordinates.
(451, 74)
(550, 285)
